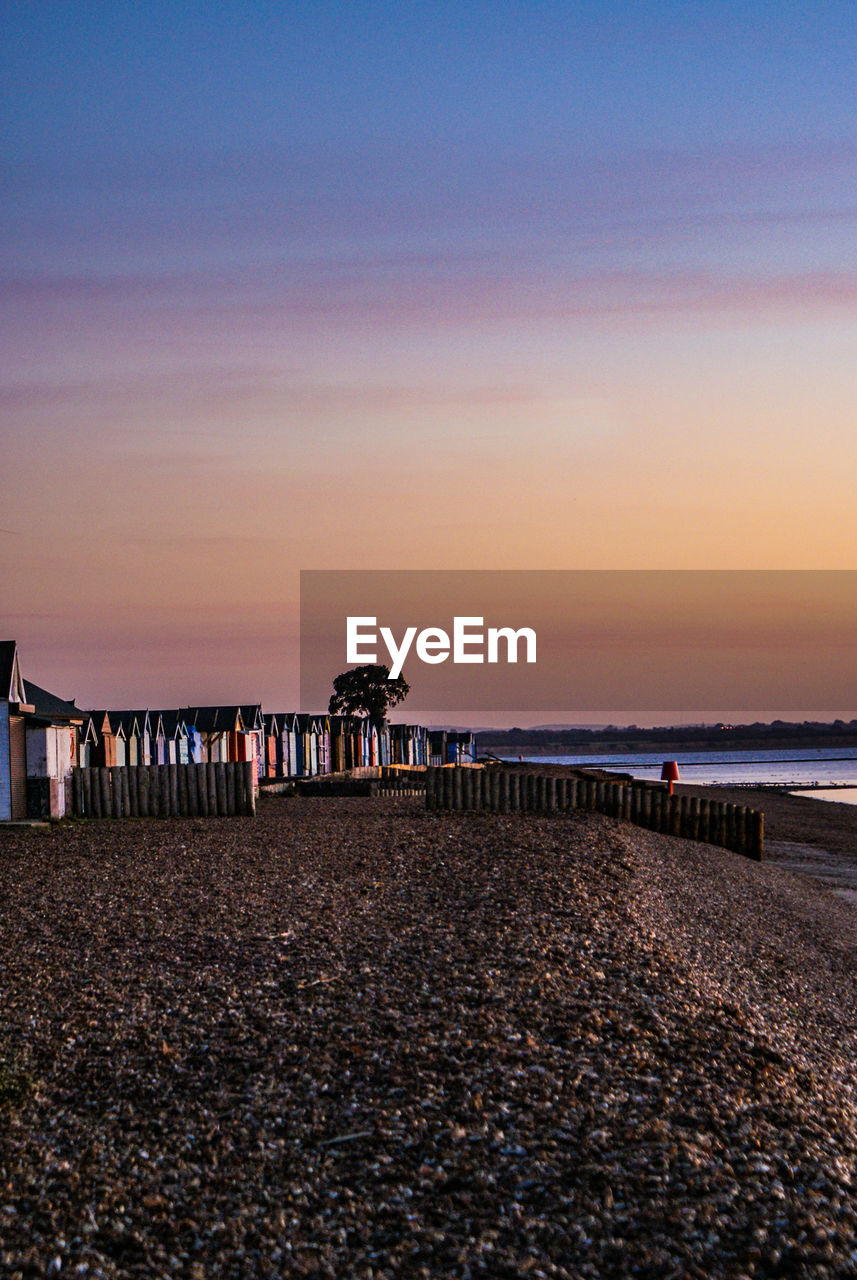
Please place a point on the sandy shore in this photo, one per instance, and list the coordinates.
(811, 837)
(352, 1038)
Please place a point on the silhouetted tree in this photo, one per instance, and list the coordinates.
(367, 691)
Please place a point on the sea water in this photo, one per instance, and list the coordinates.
(792, 769)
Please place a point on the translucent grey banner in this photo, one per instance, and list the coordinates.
(620, 647)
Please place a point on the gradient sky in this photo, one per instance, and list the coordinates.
(296, 286)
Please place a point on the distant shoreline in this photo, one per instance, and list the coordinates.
(541, 742)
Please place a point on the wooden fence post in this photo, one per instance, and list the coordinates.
(124, 794)
(181, 790)
(504, 791)
(154, 791)
(758, 841)
(202, 789)
(250, 786)
(143, 790)
(106, 798)
(220, 787)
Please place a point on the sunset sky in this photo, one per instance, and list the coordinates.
(375, 285)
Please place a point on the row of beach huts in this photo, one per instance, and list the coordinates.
(43, 738)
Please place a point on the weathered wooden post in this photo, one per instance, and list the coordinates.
(550, 793)
(482, 796)
(676, 816)
(504, 791)
(431, 787)
(211, 782)
(562, 794)
(173, 785)
(181, 790)
(229, 788)
(723, 831)
(86, 792)
(104, 787)
(704, 829)
(143, 790)
(131, 789)
(439, 784)
(193, 791)
(493, 788)
(154, 791)
(739, 830)
(94, 796)
(201, 789)
(149, 781)
(645, 804)
(758, 836)
(124, 794)
(220, 787)
(747, 832)
(467, 789)
(250, 786)
(720, 823)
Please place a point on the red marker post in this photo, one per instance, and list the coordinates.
(669, 773)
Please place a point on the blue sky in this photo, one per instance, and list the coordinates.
(557, 285)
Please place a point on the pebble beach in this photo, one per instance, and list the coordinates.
(353, 1038)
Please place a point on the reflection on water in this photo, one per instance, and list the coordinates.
(842, 795)
(789, 768)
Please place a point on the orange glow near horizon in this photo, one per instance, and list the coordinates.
(591, 308)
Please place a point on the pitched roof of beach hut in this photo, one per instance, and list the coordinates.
(135, 723)
(48, 705)
(251, 714)
(213, 719)
(11, 682)
(108, 722)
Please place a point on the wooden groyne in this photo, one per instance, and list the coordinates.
(165, 791)
(646, 804)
